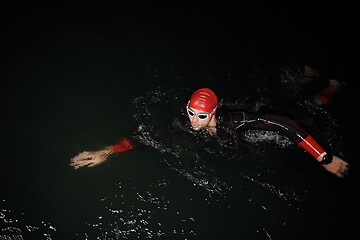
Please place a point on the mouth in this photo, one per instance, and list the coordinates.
(195, 127)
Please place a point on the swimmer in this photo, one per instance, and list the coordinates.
(203, 115)
(310, 81)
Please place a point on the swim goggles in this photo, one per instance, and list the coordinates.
(201, 116)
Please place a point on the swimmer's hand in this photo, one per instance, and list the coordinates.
(338, 167)
(334, 86)
(91, 159)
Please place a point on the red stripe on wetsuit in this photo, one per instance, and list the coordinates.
(308, 143)
(123, 145)
(311, 146)
(325, 96)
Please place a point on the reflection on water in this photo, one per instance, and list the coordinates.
(13, 226)
(140, 214)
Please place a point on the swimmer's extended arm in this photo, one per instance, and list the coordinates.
(290, 129)
(337, 166)
(93, 158)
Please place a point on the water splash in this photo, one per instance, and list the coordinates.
(200, 164)
(217, 169)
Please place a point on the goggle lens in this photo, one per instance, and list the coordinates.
(201, 116)
(190, 112)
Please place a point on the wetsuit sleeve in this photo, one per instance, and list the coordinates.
(285, 126)
(125, 144)
(324, 97)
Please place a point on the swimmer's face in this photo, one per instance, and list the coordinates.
(198, 119)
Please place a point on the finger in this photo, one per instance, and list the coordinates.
(345, 166)
(82, 155)
(75, 165)
(93, 164)
(75, 159)
(85, 159)
(339, 174)
(345, 170)
(79, 164)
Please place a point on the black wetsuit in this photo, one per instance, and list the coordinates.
(231, 122)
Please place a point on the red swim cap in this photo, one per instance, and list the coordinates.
(204, 100)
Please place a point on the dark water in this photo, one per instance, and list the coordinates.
(79, 78)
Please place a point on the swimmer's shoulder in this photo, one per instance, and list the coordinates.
(229, 115)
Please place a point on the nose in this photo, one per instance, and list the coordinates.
(194, 119)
